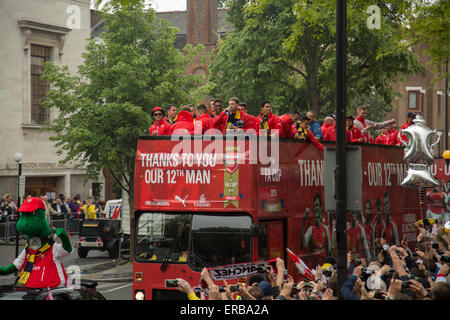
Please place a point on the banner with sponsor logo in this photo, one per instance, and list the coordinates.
(239, 270)
(207, 178)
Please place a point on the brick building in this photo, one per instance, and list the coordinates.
(423, 95)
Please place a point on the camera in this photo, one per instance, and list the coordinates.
(240, 123)
(171, 283)
(233, 288)
(405, 284)
(445, 259)
(365, 274)
(379, 295)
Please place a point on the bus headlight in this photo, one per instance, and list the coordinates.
(139, 295)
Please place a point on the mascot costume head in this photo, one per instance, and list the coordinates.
(39, 264)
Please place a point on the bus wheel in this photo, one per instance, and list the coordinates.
(83, 252)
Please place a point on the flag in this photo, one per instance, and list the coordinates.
(301, 266)
(50, 295)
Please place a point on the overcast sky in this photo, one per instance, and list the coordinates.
(168, 5)
(163, 5)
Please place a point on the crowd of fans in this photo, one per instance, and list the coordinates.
(398, 273)
(303, 126)
(60, 208)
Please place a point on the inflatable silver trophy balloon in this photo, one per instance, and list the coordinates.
(419, 154)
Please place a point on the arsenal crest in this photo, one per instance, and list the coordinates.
(231, 161)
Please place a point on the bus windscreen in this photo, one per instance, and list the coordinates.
(201, 240)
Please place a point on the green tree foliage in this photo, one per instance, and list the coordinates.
(106, 106)
(431, 26)
(284, 51)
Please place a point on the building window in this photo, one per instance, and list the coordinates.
(39, 86)
(413, 100)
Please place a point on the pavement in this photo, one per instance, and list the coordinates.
(115, 271)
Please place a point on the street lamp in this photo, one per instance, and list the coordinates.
(17, 158)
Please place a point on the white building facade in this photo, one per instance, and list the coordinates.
(33, 32)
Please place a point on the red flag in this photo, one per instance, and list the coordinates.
(50, 295)
(301, 266)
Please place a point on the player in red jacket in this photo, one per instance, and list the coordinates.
(232, 118)
(408, 122)
(329, 121)
(304, 134)
(330, 133)
(287, 120)
(253, 121)
(389, 136)
(353, 133)
(160, 126)
(204, 121)
(184, 124)
(268, 121)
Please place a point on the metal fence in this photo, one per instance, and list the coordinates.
(8, 228)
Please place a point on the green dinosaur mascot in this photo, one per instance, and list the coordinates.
(39, 264)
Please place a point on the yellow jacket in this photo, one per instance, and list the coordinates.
(89, 211)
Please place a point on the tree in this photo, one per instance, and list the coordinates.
(431, 26)
(284, 51)
(105, 107)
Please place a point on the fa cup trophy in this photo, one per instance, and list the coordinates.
(419, 154)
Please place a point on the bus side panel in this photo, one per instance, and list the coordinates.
(388, 209)
(433, 198)
(393, 208)
(193, 175)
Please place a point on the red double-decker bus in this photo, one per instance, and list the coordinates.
(205, 203)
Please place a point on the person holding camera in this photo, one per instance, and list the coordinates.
(184, 286)
(252, 122)
(232, 119)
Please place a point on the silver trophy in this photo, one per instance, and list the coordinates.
(419, 154)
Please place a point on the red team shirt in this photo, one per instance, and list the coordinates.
(436, 201)
(48, 270)
(355, 241)
(354, 134)
(391, 234)
(389, 138)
